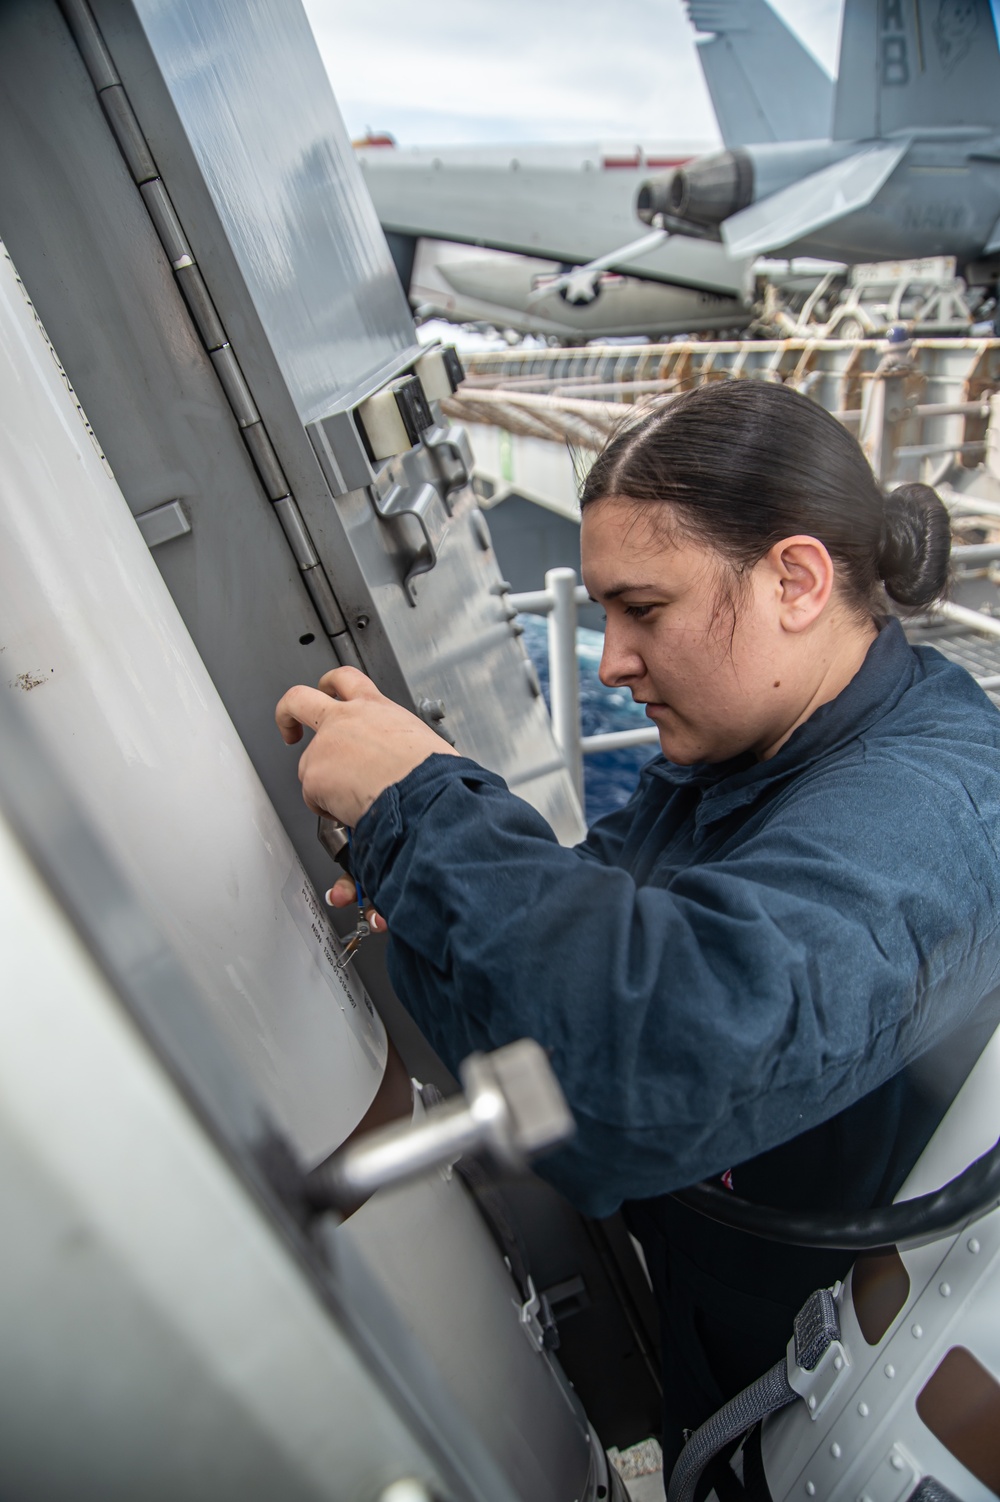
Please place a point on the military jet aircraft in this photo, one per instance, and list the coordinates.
(564, 207)
(909, 167)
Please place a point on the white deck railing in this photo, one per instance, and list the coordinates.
(559, 600)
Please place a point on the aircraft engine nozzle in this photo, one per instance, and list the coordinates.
(703, 193)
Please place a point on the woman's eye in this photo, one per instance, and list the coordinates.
(637, 611)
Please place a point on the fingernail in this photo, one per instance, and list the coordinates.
(377, 923)
(329, 898)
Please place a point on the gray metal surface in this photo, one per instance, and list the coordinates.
(500, 1383)
(900, 67)
(169, 1329)
(289, 198)
(83, 242)
(81, 233)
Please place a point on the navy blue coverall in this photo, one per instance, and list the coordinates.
(783, 968)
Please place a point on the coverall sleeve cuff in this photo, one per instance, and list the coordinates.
(382, 831)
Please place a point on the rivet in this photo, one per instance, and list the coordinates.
(838, 1363)
(835, 1450)
(897, 1462)
(863, 1409)
(405, 1490)
(944, 1289)
(810, 1489)
(916, 1331)
(973, 1244)
(811, 1400)
(889, 1369)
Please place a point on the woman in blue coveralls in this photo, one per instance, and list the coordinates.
(777, 962)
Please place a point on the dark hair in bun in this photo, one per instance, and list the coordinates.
(913, 563)
(744, 463)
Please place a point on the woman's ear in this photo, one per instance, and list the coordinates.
(802, 574)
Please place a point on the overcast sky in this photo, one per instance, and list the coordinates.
(456, 71)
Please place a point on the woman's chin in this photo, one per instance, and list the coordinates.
(679, 751)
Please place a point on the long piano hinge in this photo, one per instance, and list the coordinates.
(142, 166)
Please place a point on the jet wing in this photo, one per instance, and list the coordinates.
(807, 205)
(571, 215)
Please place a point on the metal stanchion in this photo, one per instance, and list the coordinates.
(564, 678)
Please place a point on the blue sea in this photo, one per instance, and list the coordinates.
(609, 777)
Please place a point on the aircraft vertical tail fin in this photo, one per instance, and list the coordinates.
(748, 48)
(906, 63)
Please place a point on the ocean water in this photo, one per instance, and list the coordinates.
(609, 777)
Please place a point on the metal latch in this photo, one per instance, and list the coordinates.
(512, 1109)
(535, 1318)
(452, 454)
(411, 499)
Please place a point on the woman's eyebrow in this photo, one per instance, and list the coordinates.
(623, 589)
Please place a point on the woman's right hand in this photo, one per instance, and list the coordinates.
(344, 893)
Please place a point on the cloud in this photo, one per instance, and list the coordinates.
(451, 71)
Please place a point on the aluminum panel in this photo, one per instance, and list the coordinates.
(111, 307)
(397, 644)
(159, 1339)
(114, 686)
(287, 189)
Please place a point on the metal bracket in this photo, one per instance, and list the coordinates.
(412, 501)
(163, 523)
(817, 1387)
(412, 493)
(452, 454)
(528, 1317)
(419, 547)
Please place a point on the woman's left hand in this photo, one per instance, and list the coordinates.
(363, 742)
(344, 893)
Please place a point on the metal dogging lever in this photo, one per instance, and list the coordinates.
(512, 1109)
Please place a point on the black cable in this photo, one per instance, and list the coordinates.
(974, 1193)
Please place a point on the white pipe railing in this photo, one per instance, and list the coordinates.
(559, 601)
(963, 616)
(564, 671)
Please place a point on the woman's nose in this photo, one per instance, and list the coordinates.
(619, 665)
